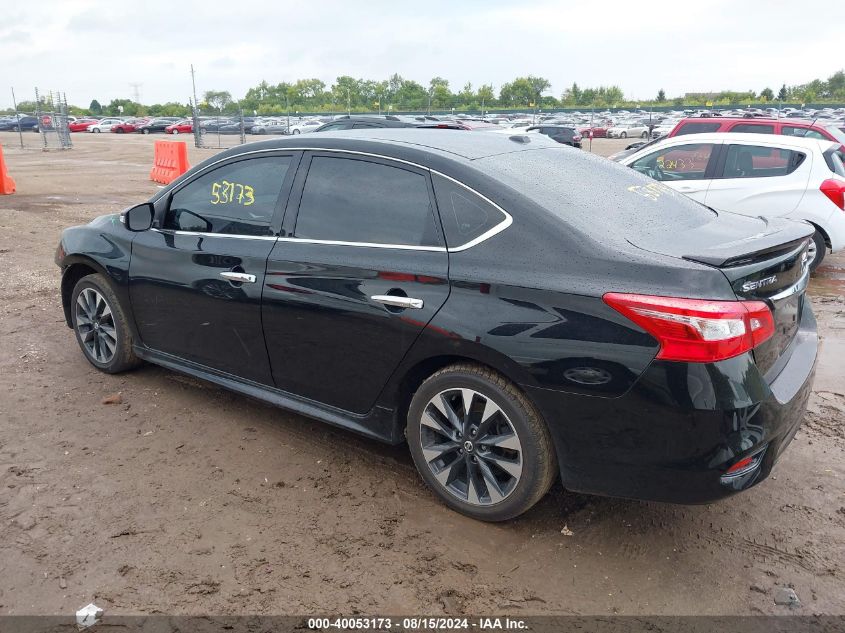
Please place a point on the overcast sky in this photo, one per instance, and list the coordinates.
(97, 48)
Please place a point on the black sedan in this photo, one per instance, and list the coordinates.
(155, 126)
(560, 133)
(472, 296)
(25, 123)
(362, 123)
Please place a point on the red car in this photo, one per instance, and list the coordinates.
(183, 127)
(127, 126)
(80, 125)
(596, 131)
(787, 127)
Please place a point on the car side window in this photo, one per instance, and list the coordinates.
(791, 130)
(698, 128)
(753, 128)
(465, 215)
(753, 161)
(235, 199)
(352, 200)
(681, 162)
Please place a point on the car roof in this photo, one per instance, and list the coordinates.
(750, 138)
(462, 144)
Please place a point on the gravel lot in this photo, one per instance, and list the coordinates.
(184, 498)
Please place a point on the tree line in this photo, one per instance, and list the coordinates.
(397, 93)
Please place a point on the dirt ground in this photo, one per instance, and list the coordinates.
(187, 499)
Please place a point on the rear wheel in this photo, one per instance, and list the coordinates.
(96, 130)
(644, 135)
(479, 443)
(175, 132)
(623, 135)
(817, 251)
(101, 327)
(146, 131)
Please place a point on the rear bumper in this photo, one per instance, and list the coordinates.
(678, 430)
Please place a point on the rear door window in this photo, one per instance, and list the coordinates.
(753, 128)
(360, 201)
(681, 162)
(754, 161)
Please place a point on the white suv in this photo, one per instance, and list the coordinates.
(757, 175)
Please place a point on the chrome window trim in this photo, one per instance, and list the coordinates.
(236, 236)
(404, 247)
(501, 226)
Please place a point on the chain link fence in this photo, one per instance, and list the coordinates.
(216, 130)
(45, 127)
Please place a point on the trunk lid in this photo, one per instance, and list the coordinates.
(764, 259)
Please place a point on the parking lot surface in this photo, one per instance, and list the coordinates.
(152, 492)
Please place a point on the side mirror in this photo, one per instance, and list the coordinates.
(139, 218)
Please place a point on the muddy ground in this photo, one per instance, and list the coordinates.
(184, 498)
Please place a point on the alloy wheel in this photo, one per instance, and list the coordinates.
(470, 446)
(95, 325)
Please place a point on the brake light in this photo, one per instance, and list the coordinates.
(697, 330)
(835, 191)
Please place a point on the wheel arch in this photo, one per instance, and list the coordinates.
(71, 274)
(824, 233)
(408, 379)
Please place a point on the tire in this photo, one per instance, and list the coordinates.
(97, 130)
(175, 132)
(101, 327)
(145, 131)
(447, 463)
(818, 250)
(296, 132)
(119, 130)
(644, 135)
(623, 135)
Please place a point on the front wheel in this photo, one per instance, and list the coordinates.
(644, 135)
(146, 131)
(96, 131)
(296, 132)
(175, 132)
(101, 327)
(816, 251)
(479, 443)
(623, 135)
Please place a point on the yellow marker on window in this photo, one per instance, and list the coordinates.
(224, 192)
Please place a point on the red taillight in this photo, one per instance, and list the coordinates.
(740, 465)
(697, 330)
(835, 190)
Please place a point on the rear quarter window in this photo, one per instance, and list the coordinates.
(464, 214)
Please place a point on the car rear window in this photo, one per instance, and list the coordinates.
(698, 128)
(835, 161)
(595, 195)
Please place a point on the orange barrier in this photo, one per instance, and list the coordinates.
(170, 161)
(7, 185)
